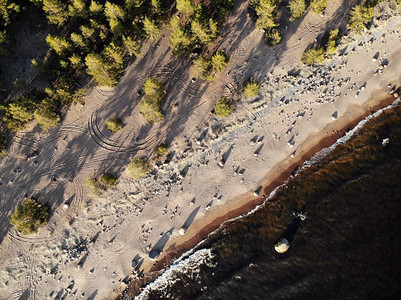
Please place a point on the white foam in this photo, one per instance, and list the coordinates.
(190, 266)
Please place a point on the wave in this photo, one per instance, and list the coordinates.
(188, 266)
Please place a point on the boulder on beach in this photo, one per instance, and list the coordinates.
(282, 245)
(154, 254)
(182, 230)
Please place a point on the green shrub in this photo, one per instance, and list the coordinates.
(95, 185)
(138, 167)
(223, 107)
(313, 56)
(318, 5)
(102, 183)
(109, 180)
(332, 42)
(359, 17)
(297, 8)
(114, 125)
(161, 150)
(29, 216)
(206, 69)
(251, 89)
(273, 37)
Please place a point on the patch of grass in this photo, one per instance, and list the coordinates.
(114, 125)
(251, 89)
(29, 216)
(223, 107)
(102, 183)
(138, 167)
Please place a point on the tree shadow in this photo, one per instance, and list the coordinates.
(191, 218)
(159, 246)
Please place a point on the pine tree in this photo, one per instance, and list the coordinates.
(132, 47)
(186, 7)
(318, 5)
(297, 8)
(360, 16)
(46, 115)
(180, 41)
(56, 11)
(206, 32)
(100, 70)
(219, 61)
(58, 44)
(266, 12)
(151, 29)
(95, 7)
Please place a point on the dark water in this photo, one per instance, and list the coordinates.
(347, 248)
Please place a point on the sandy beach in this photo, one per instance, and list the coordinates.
(215, 166)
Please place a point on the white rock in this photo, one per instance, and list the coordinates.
(182, 230)
(282, 245)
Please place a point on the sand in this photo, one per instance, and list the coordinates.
(89, 245)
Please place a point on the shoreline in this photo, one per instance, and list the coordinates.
(244, 204)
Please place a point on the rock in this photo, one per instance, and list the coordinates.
(282, 245)
(66, 205)
(334, 116)
(182, 230)
(154, 254)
